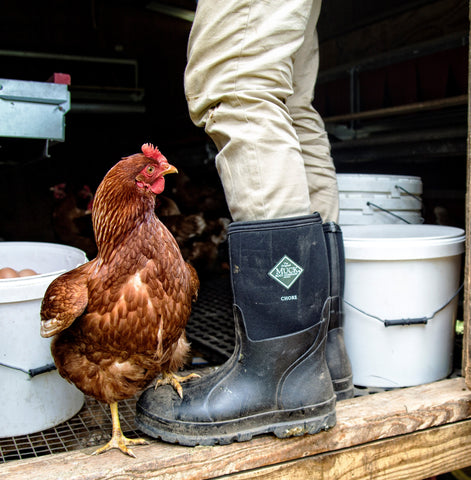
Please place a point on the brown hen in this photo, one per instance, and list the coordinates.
(119, 320)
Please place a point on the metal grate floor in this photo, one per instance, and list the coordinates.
(211, 332)
(211, 327)
(90, 427)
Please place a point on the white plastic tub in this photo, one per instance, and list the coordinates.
(31, 403)
(401, 274)
(366, 199)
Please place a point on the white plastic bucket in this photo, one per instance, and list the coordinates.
(366, 199)
(401, 273)
(31, 403)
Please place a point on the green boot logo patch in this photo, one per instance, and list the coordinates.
(286, 272)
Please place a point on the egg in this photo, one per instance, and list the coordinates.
(8, 272)
(26, 272)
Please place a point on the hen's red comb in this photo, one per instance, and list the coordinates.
(152, 152)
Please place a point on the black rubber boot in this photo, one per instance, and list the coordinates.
(277, 380)
(337, 358)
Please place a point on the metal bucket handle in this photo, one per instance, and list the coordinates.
(32, 372)
(406, 321)
(371, 204)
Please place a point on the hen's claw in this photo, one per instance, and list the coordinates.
(175, 381)
(118, 440)
(121, 442)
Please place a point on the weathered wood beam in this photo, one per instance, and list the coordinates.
(400, 110)
(425, 23)
(466, 358)
(402, 417)
(412, 457)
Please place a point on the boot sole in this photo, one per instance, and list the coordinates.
(309, 420)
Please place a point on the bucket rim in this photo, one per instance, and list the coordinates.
(32, 287)
(366, 183)
(56, 246)
(402, 242)
(379, 175)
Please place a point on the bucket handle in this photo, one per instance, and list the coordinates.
(32, 372)
(371, 204)
(407, 321)
(417, 197)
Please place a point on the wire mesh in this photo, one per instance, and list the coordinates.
(211, 332)
(90, 427)
(211, 327)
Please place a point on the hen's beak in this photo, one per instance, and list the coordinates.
(170, 169)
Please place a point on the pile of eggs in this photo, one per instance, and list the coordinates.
(8, 272)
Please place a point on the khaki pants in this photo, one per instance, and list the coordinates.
(252, 67)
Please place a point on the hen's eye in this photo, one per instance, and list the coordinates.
(150, 169)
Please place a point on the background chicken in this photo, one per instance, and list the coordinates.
(72, 217)
(200, 229)
(119, 319)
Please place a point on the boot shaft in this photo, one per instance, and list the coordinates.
(336, 255)
(279, 273)
(336, 354)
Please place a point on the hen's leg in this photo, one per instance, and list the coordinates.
(118, 440)
(169, 378)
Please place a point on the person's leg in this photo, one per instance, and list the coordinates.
(238, 79)
(323, 193)
(309, 127)
(237, 82)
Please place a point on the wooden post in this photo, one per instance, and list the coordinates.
(467, 270)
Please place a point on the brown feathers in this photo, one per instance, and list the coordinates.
(119, 320)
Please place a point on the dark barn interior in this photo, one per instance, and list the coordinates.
(392, 89)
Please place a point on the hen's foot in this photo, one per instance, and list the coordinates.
(175, 381)
(121, 442)
(118, 440)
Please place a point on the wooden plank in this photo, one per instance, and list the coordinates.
(401, 110)
(410, 457)
(428, 22)
(466, 358)
(360, 421)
